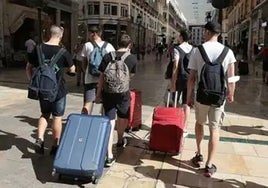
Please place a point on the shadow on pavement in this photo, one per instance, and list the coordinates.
(191, 179)
(245, 130)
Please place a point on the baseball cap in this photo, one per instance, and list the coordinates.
(213, 27)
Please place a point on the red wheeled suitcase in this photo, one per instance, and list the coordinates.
(167, 128)
(134, 121)
(83, 147)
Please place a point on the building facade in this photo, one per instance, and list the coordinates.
(20, 18)
(247, 24)
(146, 21)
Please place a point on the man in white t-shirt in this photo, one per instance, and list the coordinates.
(179, 76)
(212, 113)
(91, 81)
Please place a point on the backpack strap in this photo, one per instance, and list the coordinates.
(203, 54)
(56, 57)
(222, 55)
(40, 54)
(113, 55)
(219, 59)
(180, 50)
(95, 45)
(104, 45)
(125, 55)
(122, 58)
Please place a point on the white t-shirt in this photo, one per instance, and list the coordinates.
(86, 52)
(213, 50)
(185, 46)
(29, 44)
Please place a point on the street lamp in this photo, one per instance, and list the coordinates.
(139, 20)
(208, 17)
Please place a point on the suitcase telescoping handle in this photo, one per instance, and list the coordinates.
(168, 98)
(101, 112)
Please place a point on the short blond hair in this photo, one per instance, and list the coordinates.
(56, 31)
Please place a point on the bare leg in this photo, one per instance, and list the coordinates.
(199, 133)
(57, 128)
(212, 144)
(42, 125)
(121, 127)
(111, 139)
(187, 113)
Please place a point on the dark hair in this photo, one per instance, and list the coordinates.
(125, 40)
(95, 29)
(213, 27)
(184, 35)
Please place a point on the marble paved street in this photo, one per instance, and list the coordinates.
(242, 156)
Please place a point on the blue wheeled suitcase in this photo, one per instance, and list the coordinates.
(83, 147)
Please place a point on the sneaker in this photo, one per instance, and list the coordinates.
(53, 150)
(39, 146)
(209, 171)
(123, 143)
(109, 162)
(197, 160)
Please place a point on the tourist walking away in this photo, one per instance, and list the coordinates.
(212, 63)
(264, 55)
(30, 44)
(113, 89)
(93, 53)
(78, 61)
(180, 71)
(47, 84)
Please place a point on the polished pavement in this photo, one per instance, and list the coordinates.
(242, 156)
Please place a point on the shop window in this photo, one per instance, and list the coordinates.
(94, 8)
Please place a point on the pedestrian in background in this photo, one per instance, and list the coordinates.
(56, 108)
(264, 55)
(30, 44)
(78, 61)
(213, 112)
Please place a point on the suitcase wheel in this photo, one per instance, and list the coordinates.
(94, 179)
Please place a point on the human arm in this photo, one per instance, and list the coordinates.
(190, 87)
(175, 70)
(99, 88)
(29, 71)
(230, 85)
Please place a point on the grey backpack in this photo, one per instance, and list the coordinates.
(116, 74)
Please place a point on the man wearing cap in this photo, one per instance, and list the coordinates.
(214, 114)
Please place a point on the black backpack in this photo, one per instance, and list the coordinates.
(184, 61)
(183, 72)
(211, 87)
(44, 84)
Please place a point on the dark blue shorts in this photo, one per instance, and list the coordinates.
(56, 108)
(116, 103)
(90, 92)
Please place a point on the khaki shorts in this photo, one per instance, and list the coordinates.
(214, 115)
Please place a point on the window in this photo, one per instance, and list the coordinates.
(107, 9)
(94, 8)
(114, 10)
(110, 9)
(124, 10)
